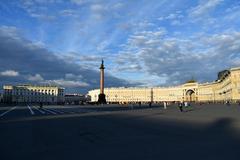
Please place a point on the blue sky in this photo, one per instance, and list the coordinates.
(143, 42)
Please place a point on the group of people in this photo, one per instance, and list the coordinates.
(180, 105)
(183, 104)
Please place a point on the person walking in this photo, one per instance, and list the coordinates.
(165, 105)
(150, 104)
(185, 104)
(180, 105)
(41, 105)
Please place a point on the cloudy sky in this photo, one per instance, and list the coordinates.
(143, 42)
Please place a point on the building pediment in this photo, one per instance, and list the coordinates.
(190, 84)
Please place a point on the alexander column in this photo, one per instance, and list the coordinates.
(101, 96)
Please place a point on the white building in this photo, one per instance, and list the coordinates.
(33, 94)
(225, 88)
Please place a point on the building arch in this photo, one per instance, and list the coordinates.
(190, 95)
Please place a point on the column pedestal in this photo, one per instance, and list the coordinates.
(102, 99)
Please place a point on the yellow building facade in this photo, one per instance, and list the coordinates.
(225, 88)
(33, 94)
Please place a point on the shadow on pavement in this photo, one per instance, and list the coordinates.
(118, 137)
(120, 107)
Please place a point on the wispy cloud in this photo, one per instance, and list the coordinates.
(178, 59)
(148, 42)
(79, 2)
(41, 62)
(67, 83)
(36, 77)
(9, 73)
(204, 7)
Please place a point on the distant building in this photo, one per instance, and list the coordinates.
(75, 99)
(33, 94)
(225, 88)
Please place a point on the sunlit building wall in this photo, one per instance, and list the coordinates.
(225, 88)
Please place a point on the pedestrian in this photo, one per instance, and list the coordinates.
(180, 105)
(165, 105)
(150, 104)
(228, 103)
(41, 105)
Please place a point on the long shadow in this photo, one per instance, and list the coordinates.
(119, 108)
(118, 137)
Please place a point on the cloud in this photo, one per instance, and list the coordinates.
(9, 31)
(171, 16)
(175, 60)
(67, 83)
(99, 11)
(129, 68)
(97, 8)
(68, 13)
(105, 10)
(232, 14)
(39, 9)
(127, 36)
(78, 2)
(43, 16)
(9, 73)
(29, 58)
(174, 18)
(204, 7)
(118, 5)
(36, 77)
(32, 2)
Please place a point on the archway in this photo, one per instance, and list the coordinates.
(190, 95)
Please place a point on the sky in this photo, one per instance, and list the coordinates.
(144, 43)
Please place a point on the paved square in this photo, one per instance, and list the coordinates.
(120, 132)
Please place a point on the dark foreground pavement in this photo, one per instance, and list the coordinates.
(143, 134)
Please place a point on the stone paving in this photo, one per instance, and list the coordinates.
(120, 132)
